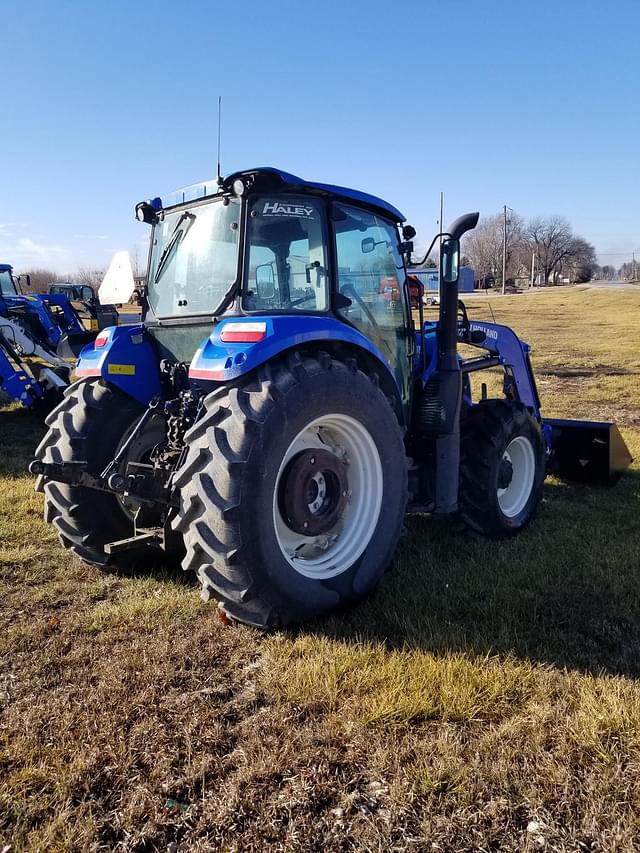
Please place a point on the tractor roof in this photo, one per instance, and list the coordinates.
(5, 267)
(272, 178)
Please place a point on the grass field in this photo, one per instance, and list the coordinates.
(485, 698)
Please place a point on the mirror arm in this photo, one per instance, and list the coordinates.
(433, 242)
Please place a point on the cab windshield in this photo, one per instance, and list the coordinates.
(194, 258)
(7, 286)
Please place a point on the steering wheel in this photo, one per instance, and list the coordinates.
(302, 299)
(352, 291)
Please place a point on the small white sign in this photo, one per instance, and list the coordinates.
(118, 285)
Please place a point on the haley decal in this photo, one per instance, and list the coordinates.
(277, 208)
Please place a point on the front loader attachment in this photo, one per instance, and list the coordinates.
(70, 346)
(591, 451)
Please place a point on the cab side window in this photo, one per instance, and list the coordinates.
(371, 276)
(286, 255)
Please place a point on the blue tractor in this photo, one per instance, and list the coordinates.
(40, 337)
(274, 416)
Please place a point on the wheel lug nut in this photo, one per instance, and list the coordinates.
(312, 461)
(305, 524)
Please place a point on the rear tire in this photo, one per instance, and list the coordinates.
(246, 488)
(87, 426)
(502, 468)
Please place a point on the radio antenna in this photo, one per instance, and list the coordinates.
(219, 113)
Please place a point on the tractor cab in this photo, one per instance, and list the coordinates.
(267, 244)
(7, 282)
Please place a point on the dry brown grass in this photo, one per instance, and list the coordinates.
(484, 699)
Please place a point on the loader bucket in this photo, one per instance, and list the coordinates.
(591, 451)
(69, 346)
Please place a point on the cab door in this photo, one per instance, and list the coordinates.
(371, 274)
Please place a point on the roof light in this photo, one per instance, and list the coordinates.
(238, 187)
(147, 211)
(243, 333)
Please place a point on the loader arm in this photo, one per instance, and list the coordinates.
(15, 379)
(502, 343)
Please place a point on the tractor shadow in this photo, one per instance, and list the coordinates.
(565, 592)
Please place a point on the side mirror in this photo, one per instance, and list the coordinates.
(450, 260)
(24, 281)
(416, 290)
(265, 284)
(368, 245)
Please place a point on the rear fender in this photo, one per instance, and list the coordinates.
(125, 357)
(228, 352)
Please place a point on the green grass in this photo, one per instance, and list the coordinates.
(484, 698)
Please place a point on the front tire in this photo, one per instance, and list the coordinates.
(502, 468)
(293, 491)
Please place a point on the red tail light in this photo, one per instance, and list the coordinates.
(243, 333)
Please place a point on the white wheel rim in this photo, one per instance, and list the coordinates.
(334, 551)
(520, 455)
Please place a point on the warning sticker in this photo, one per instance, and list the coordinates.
(122, 369)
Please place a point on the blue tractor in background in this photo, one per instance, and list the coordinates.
(274, 416)
(40, 338)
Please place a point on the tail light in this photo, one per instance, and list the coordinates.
(243, 333)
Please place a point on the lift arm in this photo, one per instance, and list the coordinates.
(15, 378)
(507, 350)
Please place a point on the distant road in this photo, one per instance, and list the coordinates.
(623, 285)
(533, 291)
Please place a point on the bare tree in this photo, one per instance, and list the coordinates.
(40, 279)
(484, 246)
(552, 241)
(87, 275)
(138, 265)
(628, 270)
(581, 260)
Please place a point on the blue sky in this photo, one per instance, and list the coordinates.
(534, 105)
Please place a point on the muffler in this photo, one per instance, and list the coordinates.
(589, 451)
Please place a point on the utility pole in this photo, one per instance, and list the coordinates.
(533, 266)
(504, 252)
(634, 266)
